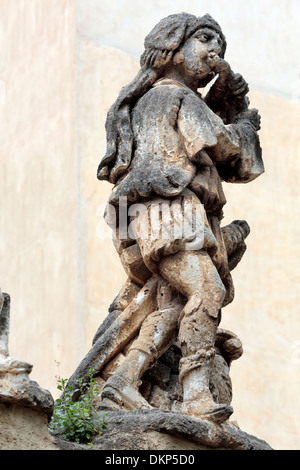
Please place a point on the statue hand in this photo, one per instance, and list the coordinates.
(252, 116)
(238, 85)
(234, 82)
(220, 67)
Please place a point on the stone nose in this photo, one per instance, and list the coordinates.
(214, 46)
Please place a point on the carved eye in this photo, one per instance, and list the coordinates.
(204, 37)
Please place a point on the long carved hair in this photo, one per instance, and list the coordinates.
(160, 45)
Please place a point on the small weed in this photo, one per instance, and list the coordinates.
(76, 420)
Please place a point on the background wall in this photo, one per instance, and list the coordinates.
(39, 183)
(62, 65)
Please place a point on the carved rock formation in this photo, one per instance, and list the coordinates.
(16, 389)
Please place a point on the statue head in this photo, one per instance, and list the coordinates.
(162, 46)
(171, 33)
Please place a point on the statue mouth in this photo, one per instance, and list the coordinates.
(213, 58)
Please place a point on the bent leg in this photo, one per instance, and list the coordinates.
(156, 335)
(195, 276)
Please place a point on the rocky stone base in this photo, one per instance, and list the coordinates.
(22, 428)
(164, 430)
(17, 389)
(25, 411)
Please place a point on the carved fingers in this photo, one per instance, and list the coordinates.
(228, 81)
(238, 85)
(155, 58)
(252, 116)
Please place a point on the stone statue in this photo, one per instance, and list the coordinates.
(168, 151)
(15, 386)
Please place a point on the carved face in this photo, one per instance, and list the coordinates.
(200, 53)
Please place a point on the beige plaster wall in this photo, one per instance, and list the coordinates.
(265, 313)
(64, 65)
(39, 184)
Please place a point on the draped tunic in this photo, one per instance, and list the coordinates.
(182, 152)
(180, 142)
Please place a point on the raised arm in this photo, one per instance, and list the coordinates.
(227, 96)
(234, 147)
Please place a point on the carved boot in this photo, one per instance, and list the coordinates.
(121, 390)
(197, 398)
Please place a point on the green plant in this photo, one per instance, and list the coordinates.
(77, 420)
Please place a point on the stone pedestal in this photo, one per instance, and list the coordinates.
(157, 430)
(165, 430)
(15, 386)
(23, 428)
(25, 408)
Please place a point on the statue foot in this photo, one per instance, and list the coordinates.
(120, 394)
(109, 405)
(215, 412)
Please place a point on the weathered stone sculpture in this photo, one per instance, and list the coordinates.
(168, 151)
(15, 386)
